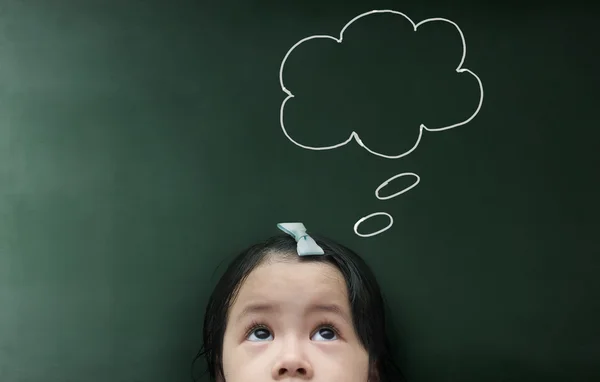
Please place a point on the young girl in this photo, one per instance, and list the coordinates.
(296, 307)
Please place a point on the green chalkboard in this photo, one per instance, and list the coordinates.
(141, 148)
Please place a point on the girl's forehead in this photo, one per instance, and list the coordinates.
(300, 281)
(283, 272)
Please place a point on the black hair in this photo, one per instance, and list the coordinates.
(366, 302)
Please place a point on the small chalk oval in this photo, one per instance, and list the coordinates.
(385, 184)
(365, 218)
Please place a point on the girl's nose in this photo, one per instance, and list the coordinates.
(292, 363)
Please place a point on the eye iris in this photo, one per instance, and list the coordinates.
(262, 334)
(328, 334)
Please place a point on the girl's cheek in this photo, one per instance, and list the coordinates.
(255, 348)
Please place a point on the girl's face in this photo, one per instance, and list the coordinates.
(292, 321)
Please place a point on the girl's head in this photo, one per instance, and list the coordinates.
(275, 315)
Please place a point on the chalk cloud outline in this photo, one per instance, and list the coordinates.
(354, 135)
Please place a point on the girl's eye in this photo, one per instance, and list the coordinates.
(328, 334)
(259, 334)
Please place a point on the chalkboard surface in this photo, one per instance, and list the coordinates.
(141, 147)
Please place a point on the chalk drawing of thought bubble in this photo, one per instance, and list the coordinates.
(353, 134)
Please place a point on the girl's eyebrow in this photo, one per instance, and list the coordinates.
(273, 308)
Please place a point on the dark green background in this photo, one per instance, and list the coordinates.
(140, 148)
